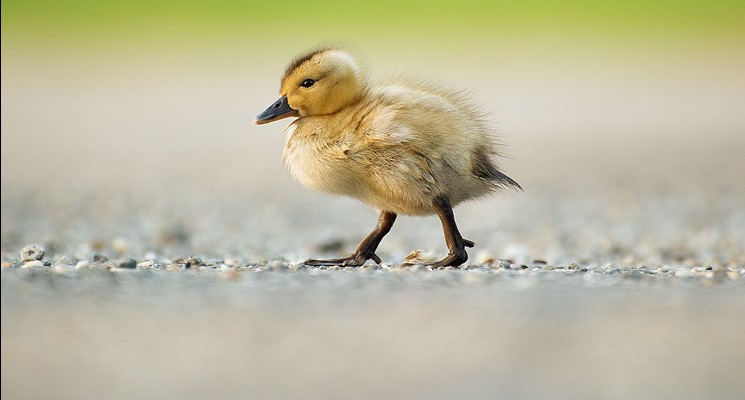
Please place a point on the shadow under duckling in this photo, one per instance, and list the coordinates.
(403, 147)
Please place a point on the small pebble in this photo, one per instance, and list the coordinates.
(32, 252)
(33, 264)
(192, 262)
(61, 269)
(684, 273)
(82, 265)
(128, 263)
(172, 268)
(63, 262)
(99, 258)
(503, 264)
(7, 265)
(297, 267)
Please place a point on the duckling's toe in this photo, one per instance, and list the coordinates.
(355, 260)
(454, 259)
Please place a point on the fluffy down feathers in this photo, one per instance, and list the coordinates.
(395, 146)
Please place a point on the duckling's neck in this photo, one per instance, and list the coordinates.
(362, 94)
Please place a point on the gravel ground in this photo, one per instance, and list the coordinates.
(372, 333)
(150, 303)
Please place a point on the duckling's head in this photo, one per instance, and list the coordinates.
(319, 83)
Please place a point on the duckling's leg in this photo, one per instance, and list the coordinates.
(366, 249)
(456, 244)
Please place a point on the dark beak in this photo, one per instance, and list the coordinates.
(280, 109)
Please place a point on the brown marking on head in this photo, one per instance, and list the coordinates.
(298, 61)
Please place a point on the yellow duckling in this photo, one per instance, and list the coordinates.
(403, 147)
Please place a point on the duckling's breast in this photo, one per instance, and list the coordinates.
(341, 154)
(317, 155)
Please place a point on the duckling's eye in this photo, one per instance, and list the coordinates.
(307, 83)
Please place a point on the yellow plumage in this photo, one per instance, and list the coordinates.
(401, 146)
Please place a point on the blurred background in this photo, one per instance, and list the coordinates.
(126, 131)
(100, 92)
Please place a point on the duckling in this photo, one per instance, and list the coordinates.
(402, 147)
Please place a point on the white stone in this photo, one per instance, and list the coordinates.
(33, 264)
(32, 252)
(82, 265)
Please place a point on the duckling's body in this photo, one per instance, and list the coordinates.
(384, 151)
(403, 147)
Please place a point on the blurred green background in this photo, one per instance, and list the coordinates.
(265, 23)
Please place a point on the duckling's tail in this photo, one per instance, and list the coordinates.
(504, 181)
(484, 168)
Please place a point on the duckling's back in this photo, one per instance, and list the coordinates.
(441, 135)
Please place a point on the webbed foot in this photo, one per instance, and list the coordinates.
(355, 260)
